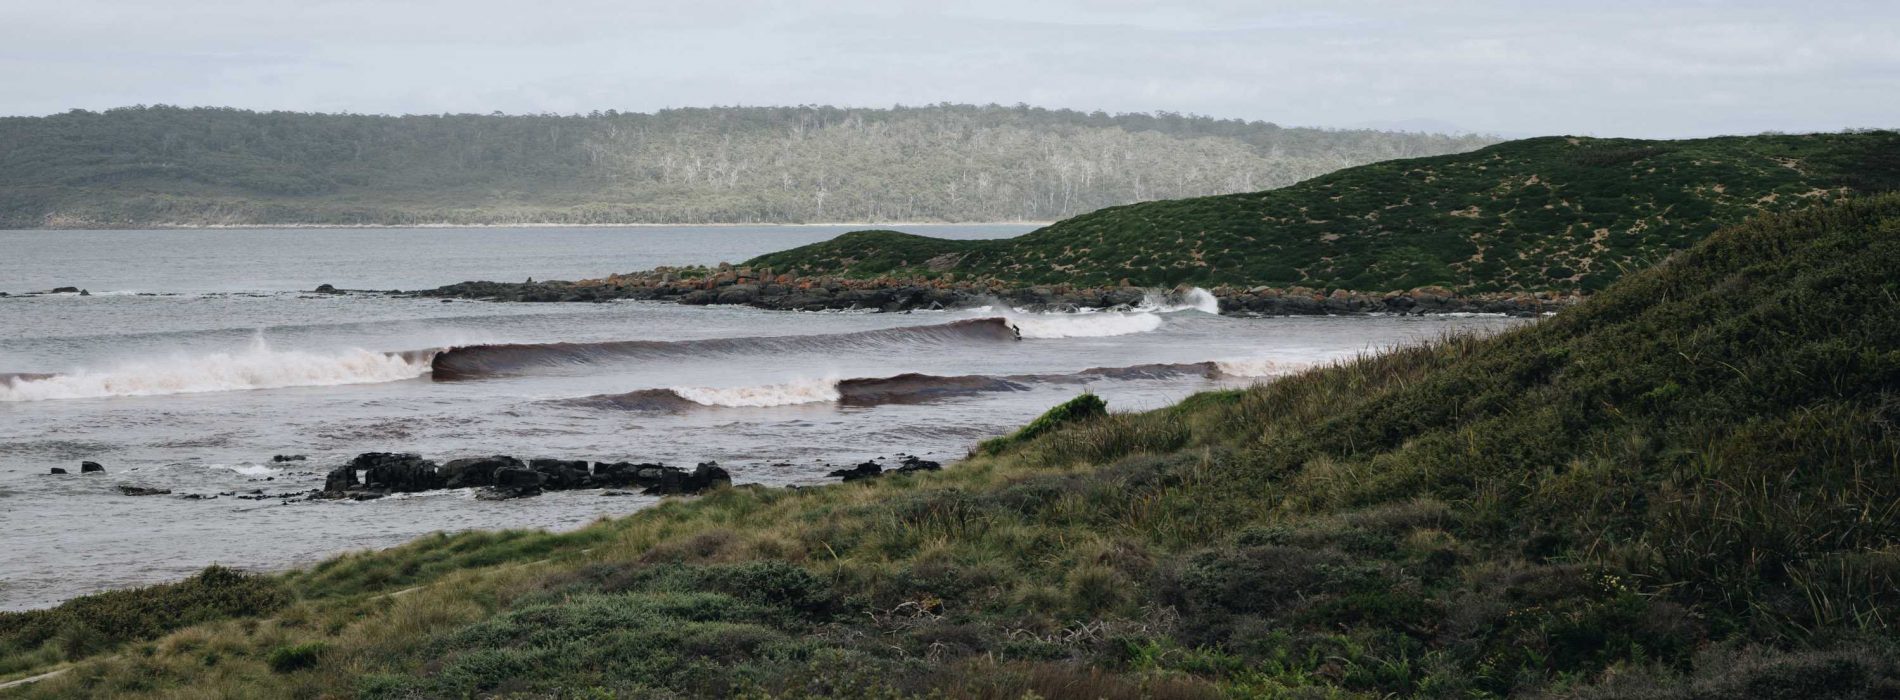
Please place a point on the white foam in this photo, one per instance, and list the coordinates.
(787, 394)
(1259, 367)
(1194, 299)
(257, 367)
(1102, 325)
(251, 469)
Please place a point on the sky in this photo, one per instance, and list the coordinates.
(1604, 67)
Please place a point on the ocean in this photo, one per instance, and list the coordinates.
(198, 355)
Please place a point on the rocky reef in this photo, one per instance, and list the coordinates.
(500, 477)
(764, 289)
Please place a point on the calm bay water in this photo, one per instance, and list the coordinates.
(196, 359)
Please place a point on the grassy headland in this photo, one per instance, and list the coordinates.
(1683, 487)
(1542, 214)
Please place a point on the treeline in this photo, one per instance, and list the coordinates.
(214, 166)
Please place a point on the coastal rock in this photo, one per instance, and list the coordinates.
(327, 289)
(913, 463)
(397, 473)
(678, 482)
(287, 458)
(475, 471)
(340, 479)
(64, 290)
(57, 471)
(867, 470)
(131, 490)
(91, 467)
(560, 473)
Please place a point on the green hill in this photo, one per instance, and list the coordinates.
(1543, 214)
(166, 165)
(1683, 487)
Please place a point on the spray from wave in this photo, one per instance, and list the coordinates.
(258, 366)
(1192, 299)
(1260, 367)
(787, 394)
(1143, 318)
(1096, 325)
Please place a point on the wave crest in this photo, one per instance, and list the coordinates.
(1092, 325)
(787, 394)
(256, 367)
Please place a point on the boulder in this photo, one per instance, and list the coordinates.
(513, 482)
(561, 473)
(400, 473)
(340, 479)
(91, 467)
(65, 290)
(57, 471)
(287, 458)
(518, 477)
(867, 470)
(475, 471)
(913, 463)
(620, 474)
(706, 476)
(328, 289)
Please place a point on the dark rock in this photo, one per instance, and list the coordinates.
(475, 471)
(131, 490)
(85, 293)
(621, 474)
(340, 479)
(519, 478)
(561, 473)
(91, 467)
(57, 471)
(867, 470)
(65, 290)
(327, 289)
(512, 483)
(399, 473)
(916, 464)
(706, 476)
(197, 497)
(287, 458)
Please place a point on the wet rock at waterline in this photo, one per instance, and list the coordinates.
(130, 490)
(501, 477)
(91, 467)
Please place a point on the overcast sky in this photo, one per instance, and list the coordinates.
(1655, 68)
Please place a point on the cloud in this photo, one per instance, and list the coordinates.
(1609, 68)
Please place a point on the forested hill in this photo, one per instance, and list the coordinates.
(174, 166)
(1543, 214)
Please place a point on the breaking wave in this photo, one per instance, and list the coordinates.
(1094, 325)
(1260, 367)
(476, 361)
(912, 387)
(787, 394)
(1193, 299)
(257, 367)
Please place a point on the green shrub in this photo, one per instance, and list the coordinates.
(294, 657)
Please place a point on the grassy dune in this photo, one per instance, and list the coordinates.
(1684, 487)
(1542, 214)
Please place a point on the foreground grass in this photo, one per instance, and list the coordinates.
(1684, 487)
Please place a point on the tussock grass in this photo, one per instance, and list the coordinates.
(1684, 487)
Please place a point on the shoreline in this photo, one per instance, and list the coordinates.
(743, 286)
